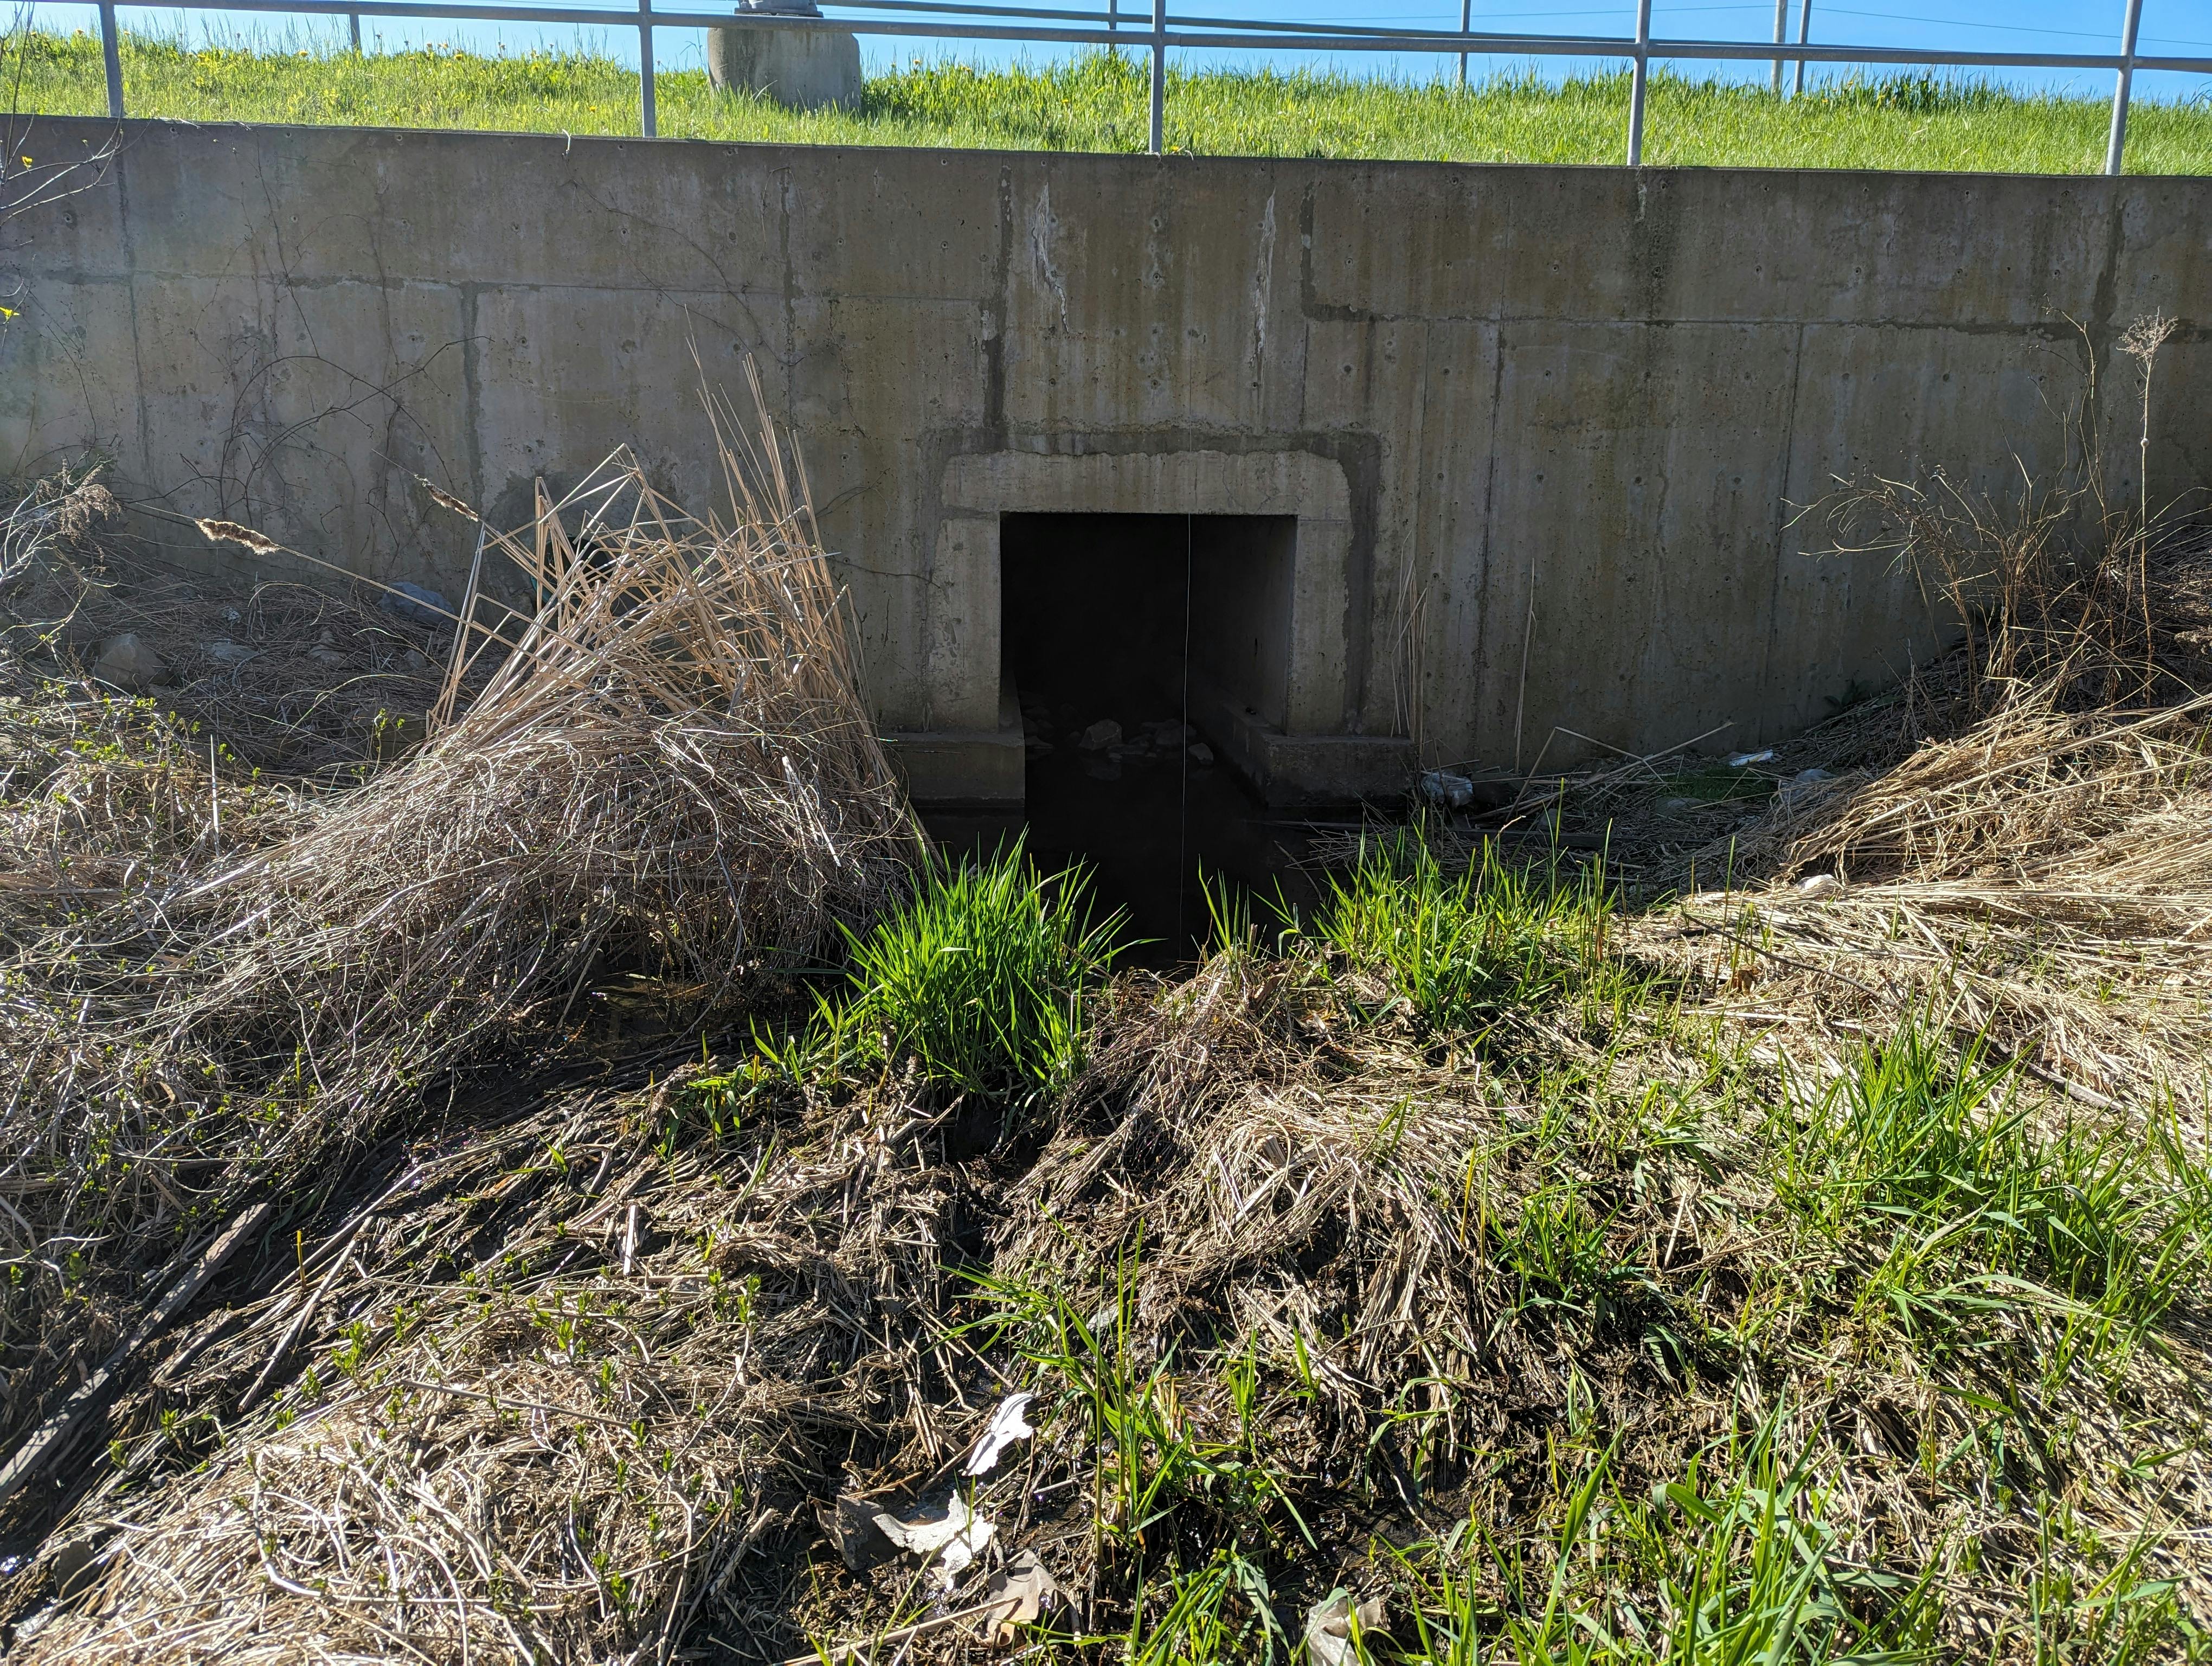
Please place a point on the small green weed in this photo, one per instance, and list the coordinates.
(1159, 1463)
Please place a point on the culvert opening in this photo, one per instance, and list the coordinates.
(1121, 632)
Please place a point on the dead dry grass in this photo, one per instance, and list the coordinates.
(1826, 1260)
(666, 768)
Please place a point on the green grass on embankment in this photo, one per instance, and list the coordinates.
(1097, 102)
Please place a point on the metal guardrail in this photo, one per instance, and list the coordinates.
(959, 21)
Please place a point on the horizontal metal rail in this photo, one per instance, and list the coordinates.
(960, 20)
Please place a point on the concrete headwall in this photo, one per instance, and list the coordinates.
(1544, 429)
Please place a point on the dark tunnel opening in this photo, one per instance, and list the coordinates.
(1113, 625)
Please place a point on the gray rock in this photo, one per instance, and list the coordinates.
(418, 604)
(1201, 753)
(127, 663)
(1442, 787)
(1100, 735)
(224, 652)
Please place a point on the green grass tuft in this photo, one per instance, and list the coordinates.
(1920, 1161)
(1463, 949)
(982, 976)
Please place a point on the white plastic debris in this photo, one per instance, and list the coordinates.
(1820, 885)
(1443, 787)
(948, 1541)
(1744, 760)
(1007, 1426)
(1331, 1624)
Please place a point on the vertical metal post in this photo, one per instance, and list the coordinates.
(651, 123)
(1804, 34)
(1466, 22)
(1159, 71)
(2131, 22)
(1637, 85)
(1781, 38)
(1114, 24)
(111, 52)
(353, 31)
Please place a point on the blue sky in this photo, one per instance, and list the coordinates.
(2178, 27)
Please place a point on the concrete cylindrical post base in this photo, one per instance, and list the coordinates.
(802, 69)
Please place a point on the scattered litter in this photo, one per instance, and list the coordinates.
(1744, 760)
(1333, 1625)
(1820, 885)
(1007, 1426)
(127, 662)
(1100, 735)
(418, 604)
(1441, 786)
(946, 1534)
(1018, 1594)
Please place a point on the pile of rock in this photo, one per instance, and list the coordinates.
(1106, 746)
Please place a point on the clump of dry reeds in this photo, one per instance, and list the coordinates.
(2031, 860)
(666, 767)
(671, 770)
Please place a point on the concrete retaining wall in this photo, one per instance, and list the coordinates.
(1543, 427)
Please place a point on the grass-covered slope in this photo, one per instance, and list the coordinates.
(1098, 102)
